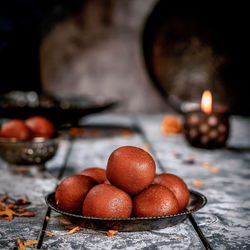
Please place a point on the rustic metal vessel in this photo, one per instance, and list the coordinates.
(196, 202)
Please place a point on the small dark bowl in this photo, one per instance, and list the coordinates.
(196, 202)
(31, 152)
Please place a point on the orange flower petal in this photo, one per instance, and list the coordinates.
(20, 245)
(6, 214)
(171, 125)
(72, 230)
(76, 131)
(19, 209)
(198, 183)
(206, 164)
(30, 242)
(126, 133)
(111, 233)
(26, 214)
(214, 170)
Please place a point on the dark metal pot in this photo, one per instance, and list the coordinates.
(195, 45)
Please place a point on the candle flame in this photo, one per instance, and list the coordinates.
(206, 102)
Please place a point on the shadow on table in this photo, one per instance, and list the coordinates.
(238, 149)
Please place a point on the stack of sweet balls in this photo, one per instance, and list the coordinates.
(33, 127)
(127, 188)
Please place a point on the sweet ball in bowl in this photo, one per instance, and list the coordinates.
(19, 145)
(176, 185)
(131, 169)
(156, 200)
(98, 174)
(107, 201)
(40, 126)
(15, 129)
(130, 190)
(72, 191)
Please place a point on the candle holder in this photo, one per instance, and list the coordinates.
(207, 130)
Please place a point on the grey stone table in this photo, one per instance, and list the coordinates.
(224, 221)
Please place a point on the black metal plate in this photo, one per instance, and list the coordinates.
(67, 110)
(196, 202)
(55, 114)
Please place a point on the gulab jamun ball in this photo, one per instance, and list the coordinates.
(176, 185)
(72, 191)
(15, 129)
(130, 168)
(155, 201)
(98, 174)
(107, 201)
(40, 126)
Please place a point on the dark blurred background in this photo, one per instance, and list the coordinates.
(138, 52)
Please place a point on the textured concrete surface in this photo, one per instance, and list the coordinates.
(224, 220)
(34, 187)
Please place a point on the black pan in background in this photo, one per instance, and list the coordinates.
(196, 202)
(193, 45)
(22, 105)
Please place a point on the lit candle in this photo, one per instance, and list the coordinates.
(206, 102)
(207, 127)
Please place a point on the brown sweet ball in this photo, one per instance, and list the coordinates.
(155, 201)
(176, 185)
(15, 129)
(107, 201)
(130, 168)
(40, 126)
(72, 191)
(98, 174)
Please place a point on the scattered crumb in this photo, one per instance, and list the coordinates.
(181, 237)
(171, 125)
(111, 233)
(72, 230)
(206, 164)
(214, 170)
(198, 183)
(210, 167)
(76, 131)
(146, 147)
(228, 211)
(126, 133)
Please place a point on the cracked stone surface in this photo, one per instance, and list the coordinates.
(224, 220)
